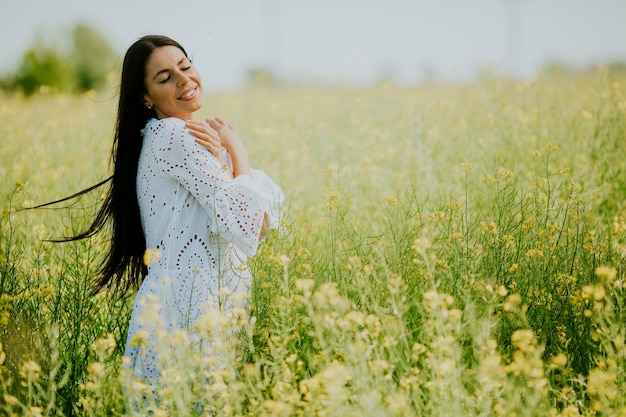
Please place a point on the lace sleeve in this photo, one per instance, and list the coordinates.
(234, 207)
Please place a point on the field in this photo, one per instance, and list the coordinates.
(447, 250)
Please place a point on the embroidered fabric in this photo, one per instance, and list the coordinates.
(203, 224)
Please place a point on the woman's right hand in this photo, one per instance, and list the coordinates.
(206, 136)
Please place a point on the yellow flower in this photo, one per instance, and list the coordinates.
(36, 411)
(569, 411)
(10, 400)
(600, 382)
(445, 368)
(390, 201)
(502, 291)
(150, 256)
(283, 260)
(618, 225)
(332, 200)
(139, 386)
(512, 302)
(455, 315)
(327, 296)
(606, 272)
(597, 292)
(421, 244)
(523, 339)
(96, 368)
(398, 404)
(378, 366)
(251, 371)
(558, 361)
(106, 344)
(5, 317)
(30, 369)
(305, 285)
(336, 375)
(417, 350)
(505, 173)
(356, 317)
(534, 253)
(91, 386)
(396, 284)
(139, 338)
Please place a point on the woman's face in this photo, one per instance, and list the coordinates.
(173, 85)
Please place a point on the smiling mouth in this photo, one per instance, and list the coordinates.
(189, 94)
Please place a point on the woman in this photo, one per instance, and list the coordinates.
(182, 189)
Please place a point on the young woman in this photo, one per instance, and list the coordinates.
(183, 191)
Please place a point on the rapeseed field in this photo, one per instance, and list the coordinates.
(446, 250)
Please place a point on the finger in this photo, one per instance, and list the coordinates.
(214, 124)
(207, 140)
(211, 147)
(202, 130)
(224, 123)
(219, 122)
(193, 123)
(200, 126)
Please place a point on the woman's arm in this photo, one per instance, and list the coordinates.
(220, 133)
(235, 208)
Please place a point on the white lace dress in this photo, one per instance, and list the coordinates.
(203, 224)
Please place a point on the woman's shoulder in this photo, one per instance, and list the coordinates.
(165, 125)
(168, 138)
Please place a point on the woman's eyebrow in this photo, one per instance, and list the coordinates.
(166, 70)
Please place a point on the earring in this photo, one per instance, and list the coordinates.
(149, 106)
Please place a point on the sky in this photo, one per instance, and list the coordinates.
(341, 41)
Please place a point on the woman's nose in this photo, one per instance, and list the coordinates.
(183, 79)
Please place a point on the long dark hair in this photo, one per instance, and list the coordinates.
(123, 266)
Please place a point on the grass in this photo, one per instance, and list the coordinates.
(447, 251)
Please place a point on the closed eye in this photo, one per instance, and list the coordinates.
(166, 79)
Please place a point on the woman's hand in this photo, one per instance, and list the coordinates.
(233, 144)
(227, 134)
(207, 136)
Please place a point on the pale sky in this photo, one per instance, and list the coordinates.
(350, 41)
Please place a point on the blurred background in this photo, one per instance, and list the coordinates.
(326, 42)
